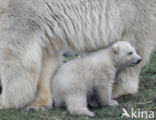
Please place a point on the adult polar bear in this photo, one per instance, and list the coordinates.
(33, 32)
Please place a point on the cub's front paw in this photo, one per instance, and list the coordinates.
(93, 104)
(114, 103)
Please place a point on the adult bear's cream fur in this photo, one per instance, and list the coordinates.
(33, 32)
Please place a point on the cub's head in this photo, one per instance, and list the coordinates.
(125, 55)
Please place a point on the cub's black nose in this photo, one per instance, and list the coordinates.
(138, 61)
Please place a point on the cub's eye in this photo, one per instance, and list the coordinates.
(130, 53)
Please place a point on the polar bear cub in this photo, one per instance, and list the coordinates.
(78, 80)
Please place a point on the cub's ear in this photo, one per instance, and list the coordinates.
(115, 49)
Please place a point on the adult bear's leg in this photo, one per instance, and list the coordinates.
(20, 70)
(127, 81)
(49, 67)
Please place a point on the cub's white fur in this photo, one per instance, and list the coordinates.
(80, 78)
(34, 32)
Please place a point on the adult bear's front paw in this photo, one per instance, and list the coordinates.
(42, 104)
